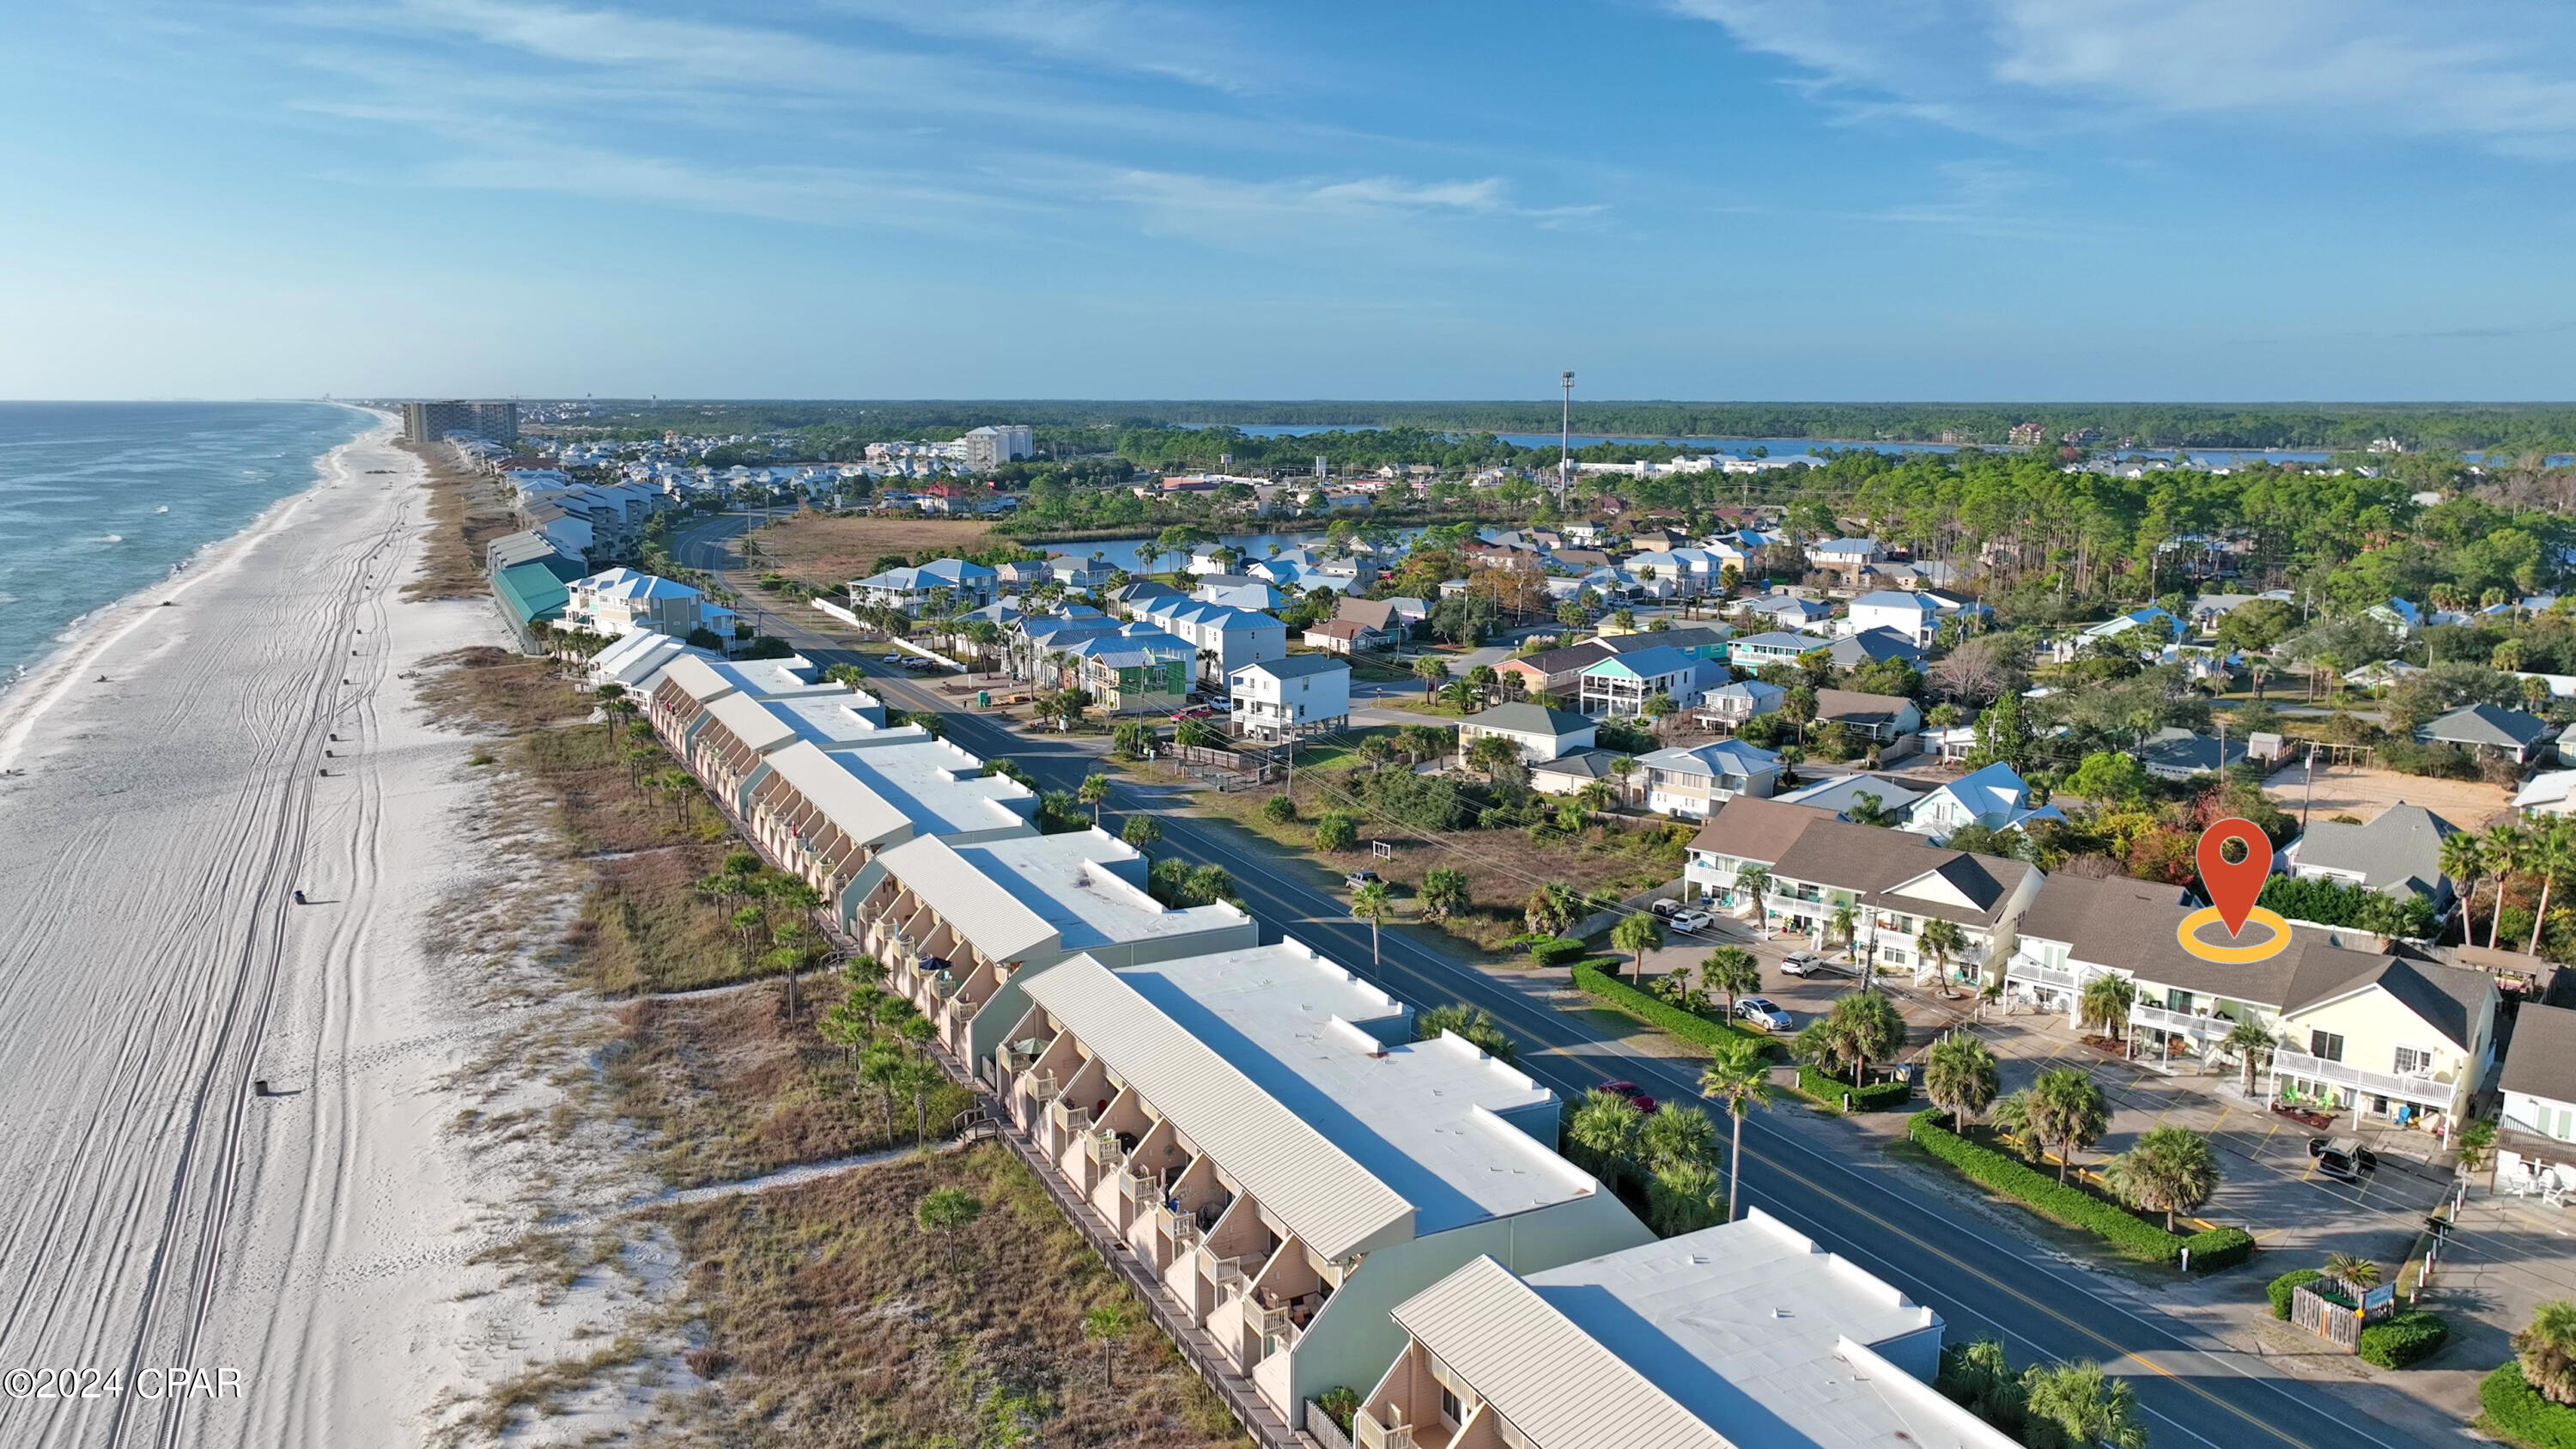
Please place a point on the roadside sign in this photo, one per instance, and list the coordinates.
(1381, 850)
(2438, 1227)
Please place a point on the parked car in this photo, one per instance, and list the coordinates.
(1692, 921)
(2343, 1157)
(1196, 711)
(1359, 878)
(1761, 1013)
(1806, 963)
(1630, 1093)
(1666, 908)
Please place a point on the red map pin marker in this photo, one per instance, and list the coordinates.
(2232, 888)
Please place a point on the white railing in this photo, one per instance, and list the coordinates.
(1043, 1087)
(2040, 973)
(2207, 1026)
(1068, 1119)
(1103, 1148)
(1139, 1187)
(1182, 1227)
(1374, 1435)
(1267, 1322)
(2427, 1089)
(1228, 1274)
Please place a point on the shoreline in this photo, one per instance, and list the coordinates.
(39, 686)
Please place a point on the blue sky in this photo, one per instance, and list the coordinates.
(1846, 199)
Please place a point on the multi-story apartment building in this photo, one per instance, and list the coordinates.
(1692, 782)
(1291, 698)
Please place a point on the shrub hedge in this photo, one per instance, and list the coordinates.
(2128, 1234)
(2517, 1411)
(1688, 1025)
(1827, 1089)
(1555, 951)
(2404, 1338)
(2280, 1289)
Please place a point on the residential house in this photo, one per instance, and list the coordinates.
(1753, 651)
(2179, 754)
(1744, 1334)
(1861, 793)
(1391, 618)
(1700, 641)
(1074, 571)
(1555, 671)
(1786, 611)
(1283, 1160)
(1695, 781)
(2380, 674)
(1910, 616)
(1892, 883)
(1621, 685)
(913, 590)
(2536, 1137)
(1569, 773)
(2151, 627)
(1291, 698)
(1995, 797)
(2397, 614)
(1693, 572)
(2552, 792)
(1873, 646)
(2385, 1036)
(1541, 733)
(1227, 638)
(1728, 706)
(1128, 598)
(621, 601)
(1844, 556)
(2399, 853)
(2491, 731)
(1137, 670)
(964, 927)
(1344, 636)
(1259, 595)
(1884, 722)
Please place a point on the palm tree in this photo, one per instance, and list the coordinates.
(1941, 940)
(1595, 796)
(1608, 1130)
(1845, 923)
(2476, 1145)
(2547, 1350)
(2105, 1002)
(2081, 1408)
(1735, 1077)
(2012, 1118)
(1676, 1134)
(2358, 1271)
(2507, 850)
(1094, 793)
(2068, 1109)
(1752, 881)
(2464, 860)
(1431, 670)
(2248, 1040)
(1733, 971)
(2552, 855)
(1961, 1077)
(2167, 1170)
(1638, 934)
(1105, 1324)
(946, 1213)
(1372, 903)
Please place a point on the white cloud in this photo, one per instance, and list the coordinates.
(2489, 72)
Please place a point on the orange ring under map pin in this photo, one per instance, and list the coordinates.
(2233, 888)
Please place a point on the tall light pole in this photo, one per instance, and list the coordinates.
(1565, 441)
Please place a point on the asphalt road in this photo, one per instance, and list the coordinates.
(1869, 1209)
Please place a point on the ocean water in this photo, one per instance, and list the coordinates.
(98, 500)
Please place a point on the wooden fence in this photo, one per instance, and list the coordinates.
(2330, 1320)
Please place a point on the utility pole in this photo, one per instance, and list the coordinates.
(1565, 441)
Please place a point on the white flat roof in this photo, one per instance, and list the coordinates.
(772, 678)
(831, 718)
(940, 786)
(1255, 1055)
(1744, 1336)
(1024, 894)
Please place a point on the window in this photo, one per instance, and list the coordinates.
(2326, 1045)
(2413, 1061)
(1449, 1407)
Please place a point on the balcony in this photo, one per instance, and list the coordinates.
(1181, 1226)
(1103, 1149)
(2039, 973)
(2199, 1025)
(2427, 1090)
(1373, 1435)
(1230, 1276)
(1043, 1087)
(1068, 1119)
(1143, 1189)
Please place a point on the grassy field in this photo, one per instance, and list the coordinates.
(831, 1319)
(728, 1088)
(470, 512)
(826, 552)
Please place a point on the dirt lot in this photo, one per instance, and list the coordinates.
(827, 552)
(2468, 804)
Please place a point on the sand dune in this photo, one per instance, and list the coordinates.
(154, 1211)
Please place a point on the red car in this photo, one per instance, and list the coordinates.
(1196, 711)
(1630, 1093)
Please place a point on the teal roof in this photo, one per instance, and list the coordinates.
(536, 589)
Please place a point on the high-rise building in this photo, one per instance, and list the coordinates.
(990, 446)
(427, 422)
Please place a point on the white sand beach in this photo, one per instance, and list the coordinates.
(155, 1213)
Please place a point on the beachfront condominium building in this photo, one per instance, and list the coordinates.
(963, 928)
(621, 601)
(991, 446)
(825, 813)
(1744, 1334)
(428, 422)
(1284, 1160)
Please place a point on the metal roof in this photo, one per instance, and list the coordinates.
(1745, 1336)
(696, 676)
(759, 730)
(1265, 1058)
